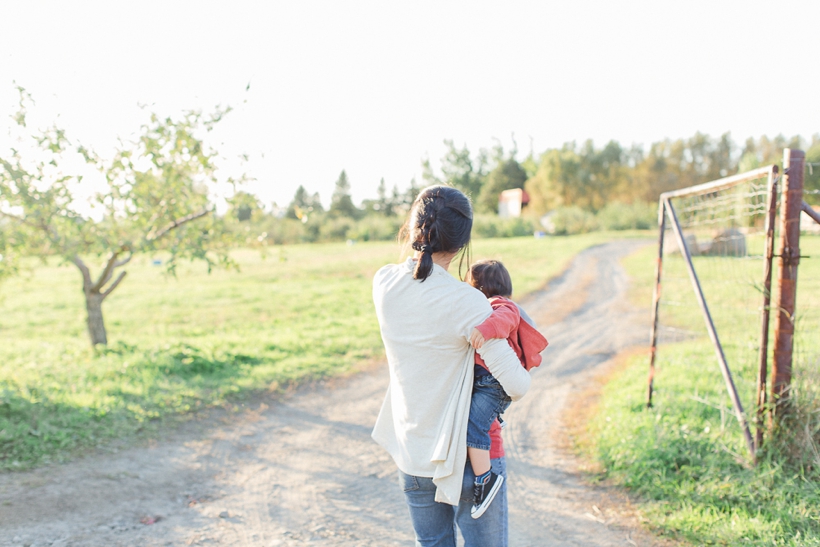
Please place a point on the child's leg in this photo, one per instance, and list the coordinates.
(479, 460)
(485, 404)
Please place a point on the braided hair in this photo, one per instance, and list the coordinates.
(441, 220)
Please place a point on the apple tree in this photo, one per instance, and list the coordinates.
(152, 197)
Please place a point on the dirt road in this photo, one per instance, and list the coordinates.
(305, 471)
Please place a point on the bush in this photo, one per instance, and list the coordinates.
(373, 227)
(336, 229)
(571, 220)
(376, 228)
(285, 230)
(494, 226)
(628, 216)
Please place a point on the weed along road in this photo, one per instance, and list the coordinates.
(303, 470)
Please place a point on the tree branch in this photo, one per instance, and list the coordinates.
(27, 222)
(83, 270)
(41, 225)
(21, 220)
(113, 285)
(107, 271)
(176, 224)
(124, 261)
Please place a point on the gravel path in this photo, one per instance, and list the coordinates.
(305, 471)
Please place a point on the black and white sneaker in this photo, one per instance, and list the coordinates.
(484, 493)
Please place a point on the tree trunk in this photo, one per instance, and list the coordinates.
(96, 326)
(94, 295)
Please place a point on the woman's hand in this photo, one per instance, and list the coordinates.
(476, 339)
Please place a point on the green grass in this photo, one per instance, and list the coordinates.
(686, 458)
(197, 341)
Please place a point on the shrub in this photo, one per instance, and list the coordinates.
(376, 228)
(494, 226)
(285, 230)
(571, 220)
(628, 216)
(336, 229)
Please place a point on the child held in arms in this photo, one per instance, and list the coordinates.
(489, 400)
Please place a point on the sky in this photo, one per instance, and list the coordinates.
(375, 87)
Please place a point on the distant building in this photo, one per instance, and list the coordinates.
(510, 202)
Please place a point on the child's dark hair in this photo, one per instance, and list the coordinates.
(491, 278)
(441, 220)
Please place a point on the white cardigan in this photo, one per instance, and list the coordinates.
(425, 327)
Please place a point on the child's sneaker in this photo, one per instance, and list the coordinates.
(484, 492)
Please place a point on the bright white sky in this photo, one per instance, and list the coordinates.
(373, 87)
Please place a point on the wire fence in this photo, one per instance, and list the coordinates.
(725, 234)
(724, 231)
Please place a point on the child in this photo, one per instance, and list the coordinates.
(489, 399)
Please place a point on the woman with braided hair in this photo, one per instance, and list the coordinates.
(426, 317)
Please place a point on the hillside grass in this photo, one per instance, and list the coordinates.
(685, 457)
(197, 341)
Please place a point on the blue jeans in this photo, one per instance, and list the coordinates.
(488, 402)
(435, 523)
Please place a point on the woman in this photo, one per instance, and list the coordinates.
(426, 316)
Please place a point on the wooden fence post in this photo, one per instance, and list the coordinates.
(789, 253)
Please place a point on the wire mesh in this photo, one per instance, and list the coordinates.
(724, 232)
(806, 352)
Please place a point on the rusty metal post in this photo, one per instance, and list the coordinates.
(710, 327)
(771, 200)
(794, 162)
(656, 298)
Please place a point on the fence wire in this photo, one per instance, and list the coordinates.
(724, 232)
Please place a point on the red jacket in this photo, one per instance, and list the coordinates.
(505, 322)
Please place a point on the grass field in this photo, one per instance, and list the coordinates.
(686, 457)
(196, 341)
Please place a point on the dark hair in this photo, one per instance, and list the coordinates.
(441, 220)
(491, 278)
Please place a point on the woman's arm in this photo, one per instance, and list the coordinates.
(505, 367)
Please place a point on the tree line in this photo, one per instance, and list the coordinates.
(155, 196)
(612, 186)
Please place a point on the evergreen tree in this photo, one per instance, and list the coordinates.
(299, 204)
(385, 204)
(341, 204)
(411, 193)
(303, 205)
(314, 203)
